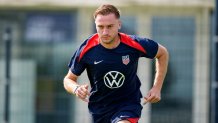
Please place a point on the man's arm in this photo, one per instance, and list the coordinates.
(162, 57)
(71, 86)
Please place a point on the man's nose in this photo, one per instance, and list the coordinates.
(105, 31)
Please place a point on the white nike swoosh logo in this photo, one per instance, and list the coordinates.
(97, 62)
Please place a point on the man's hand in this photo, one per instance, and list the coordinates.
(153, 96)
(82, 92)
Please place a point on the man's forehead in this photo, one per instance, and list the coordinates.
(110, 16)
(106, 20)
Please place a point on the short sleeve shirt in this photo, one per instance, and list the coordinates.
(112, 72)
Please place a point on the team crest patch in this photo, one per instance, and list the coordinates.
(125, 59)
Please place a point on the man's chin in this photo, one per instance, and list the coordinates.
(106, 41)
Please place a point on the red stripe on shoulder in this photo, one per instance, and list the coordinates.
(133, 120)
(130, 42)
(92, 42)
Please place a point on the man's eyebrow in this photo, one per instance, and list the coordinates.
(105, 25)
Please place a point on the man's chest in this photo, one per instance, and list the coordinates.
(111, 68)
(114, 60)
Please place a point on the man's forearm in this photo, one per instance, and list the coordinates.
(70, 85)
(161, 68)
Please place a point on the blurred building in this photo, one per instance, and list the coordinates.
(47, 32)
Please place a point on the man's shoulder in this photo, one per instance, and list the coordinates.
(88, 44)
(132, 41)
(133, 37)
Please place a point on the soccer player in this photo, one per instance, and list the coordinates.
(111, 60)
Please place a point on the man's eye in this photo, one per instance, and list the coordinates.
(100, 27)
(110, 27)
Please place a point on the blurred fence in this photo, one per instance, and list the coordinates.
(22, 94)
(44, 40)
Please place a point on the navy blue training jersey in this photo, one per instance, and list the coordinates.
(112, 72)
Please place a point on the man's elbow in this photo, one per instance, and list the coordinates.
(162, 52)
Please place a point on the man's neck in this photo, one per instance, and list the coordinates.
(113, 44)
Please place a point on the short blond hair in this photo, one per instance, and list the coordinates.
(107, 9)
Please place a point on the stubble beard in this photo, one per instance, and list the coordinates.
(108, 41)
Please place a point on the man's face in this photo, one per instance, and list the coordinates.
(107, 27)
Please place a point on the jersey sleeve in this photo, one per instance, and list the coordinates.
(78, 63)
(150, 46)
(76, 66)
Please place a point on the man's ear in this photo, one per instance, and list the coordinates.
(120, 24)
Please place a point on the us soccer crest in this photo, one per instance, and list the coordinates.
(125, 59)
